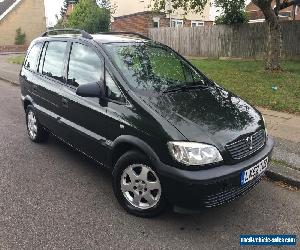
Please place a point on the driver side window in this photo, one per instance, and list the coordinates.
(85, 66)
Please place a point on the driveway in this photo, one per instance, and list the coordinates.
(53, 197)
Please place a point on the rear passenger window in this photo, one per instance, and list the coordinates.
(85, 66)
(33, 57)
(54, 60)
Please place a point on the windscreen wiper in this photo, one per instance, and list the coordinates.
(184, 88)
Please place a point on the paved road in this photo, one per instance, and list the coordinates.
(53, 197)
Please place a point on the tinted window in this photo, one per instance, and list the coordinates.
(33, 57)
(85, 66)
(54, 60)
(113, 92)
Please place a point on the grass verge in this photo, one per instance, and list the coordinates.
(16, 59)
(277, 91)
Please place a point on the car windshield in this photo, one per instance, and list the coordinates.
(150, 66)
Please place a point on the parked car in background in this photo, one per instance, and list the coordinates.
(168, 134)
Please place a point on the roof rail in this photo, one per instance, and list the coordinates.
(83, 33)
(125, 33)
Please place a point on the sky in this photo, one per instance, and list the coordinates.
(52, 8)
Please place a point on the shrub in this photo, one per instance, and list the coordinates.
(87, 15)
(20, 37)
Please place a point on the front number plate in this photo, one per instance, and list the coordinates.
(254, 171)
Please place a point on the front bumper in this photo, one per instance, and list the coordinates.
(209, 187)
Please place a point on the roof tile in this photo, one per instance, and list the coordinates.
(5, 4)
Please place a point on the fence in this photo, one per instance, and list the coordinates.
(236, 41)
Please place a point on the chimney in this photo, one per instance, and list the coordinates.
(70, 7)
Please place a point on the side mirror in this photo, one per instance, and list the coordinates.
(95, 89)
(89, 90)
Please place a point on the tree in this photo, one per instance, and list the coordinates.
(232, 12)
(106, 4)
(274, 42)
(20, 38)
(186, 5)
(64, 8)
(87, 15)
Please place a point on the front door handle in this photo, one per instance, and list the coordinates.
(35, 88)
(59, 120)
(65, 103)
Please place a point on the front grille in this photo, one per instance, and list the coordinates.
(247, 145)
(230, 194)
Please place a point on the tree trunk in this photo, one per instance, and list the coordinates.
(274, 41)
(274, 44)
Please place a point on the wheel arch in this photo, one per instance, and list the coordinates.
(27, 100)
(125, 143)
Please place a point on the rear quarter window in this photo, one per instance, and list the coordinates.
(32, 59)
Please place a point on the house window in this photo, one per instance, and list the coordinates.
(177, 23)
(285, 14)
(197, 23)
(156, 24)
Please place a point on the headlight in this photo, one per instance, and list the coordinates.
(265, 123)
(192, 153)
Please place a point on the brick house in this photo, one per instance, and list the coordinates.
(29, 15)
(137, 16)
(141, 22)
(256, 15)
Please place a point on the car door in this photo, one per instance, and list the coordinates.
(47, 87)
(29, 67)
(84, 116)
(119, 112)
(28, 74)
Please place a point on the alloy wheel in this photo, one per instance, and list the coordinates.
(32, 125)
(140, 186)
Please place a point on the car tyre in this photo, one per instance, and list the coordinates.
(137, 186)
(36, 132)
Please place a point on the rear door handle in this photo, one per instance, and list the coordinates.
(65, 103)
(35, 88)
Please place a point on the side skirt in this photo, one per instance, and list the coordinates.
(80, 151)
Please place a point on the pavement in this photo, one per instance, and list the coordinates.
(52, 197)
(284, 127)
